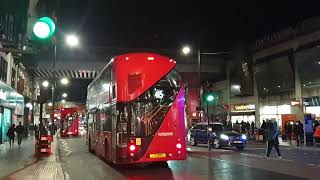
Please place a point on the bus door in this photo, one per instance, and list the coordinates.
(114, 116)
(123, 127)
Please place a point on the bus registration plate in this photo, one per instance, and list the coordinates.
(159, 155)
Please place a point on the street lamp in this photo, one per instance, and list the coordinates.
(63, 101)
(186, 50)
(64, 95)
(45, 83)
(64, 81)
(72, 40)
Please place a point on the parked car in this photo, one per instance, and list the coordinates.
(217, 135)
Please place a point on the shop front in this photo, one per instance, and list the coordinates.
(312, 106)
(11, 109)
(242, 112)
(278, 112)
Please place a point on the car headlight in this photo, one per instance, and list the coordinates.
(223, 136)
(244, 137)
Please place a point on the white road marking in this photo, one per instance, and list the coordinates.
(66, 148)
(222, 160)
(258, 156)
(67, 177)
(311, 164)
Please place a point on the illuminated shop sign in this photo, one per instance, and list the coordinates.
(295, 103)
(243, 108)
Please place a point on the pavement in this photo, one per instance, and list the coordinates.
(46, 168)
(14, 158)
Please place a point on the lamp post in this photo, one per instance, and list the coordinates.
(187, 50)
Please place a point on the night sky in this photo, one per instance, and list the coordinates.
(217, 25)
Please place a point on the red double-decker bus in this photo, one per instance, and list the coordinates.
(136, 110)
(69, 122)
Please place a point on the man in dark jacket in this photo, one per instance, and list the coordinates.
(19, 130)
(299, 133)
(288, 131)
(272, 139)
(10, 134)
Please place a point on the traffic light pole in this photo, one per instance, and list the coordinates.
(208, 133)
(54, 82)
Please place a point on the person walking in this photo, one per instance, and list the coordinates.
(229, 126)
(288, 131)
(20, 130)
(272, 139)
(263, 130)
(53, 129)
(252, 128)
(10, 134)
(299, 133)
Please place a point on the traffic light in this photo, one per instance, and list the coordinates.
(211, 97)
(44, 28)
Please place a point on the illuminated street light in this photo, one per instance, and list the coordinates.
(64, 95)
(49, 104)
(63, 101)
(64, 81)
(45, 83)
(72, 40)
(186, 50)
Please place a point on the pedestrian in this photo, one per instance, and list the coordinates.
(20, 130)
(299, 133)
(237, 126)
(10, 134)
(272, 139)
(53, 129)
(42, 129)
(252, 128)
(288, 131)
(229, 126)
(263, 130)
(243, 127)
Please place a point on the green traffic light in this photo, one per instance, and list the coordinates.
(210, 98)
(44, 28)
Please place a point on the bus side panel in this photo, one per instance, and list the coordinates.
(170, 133)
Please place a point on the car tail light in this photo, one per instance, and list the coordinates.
(132, 147)
(178, 146)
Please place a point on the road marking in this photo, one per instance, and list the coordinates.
(311, 164)
(66, 148)
(222, 160)
(67, 177)
(253, 155)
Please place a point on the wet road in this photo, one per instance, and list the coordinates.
(78, 163)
